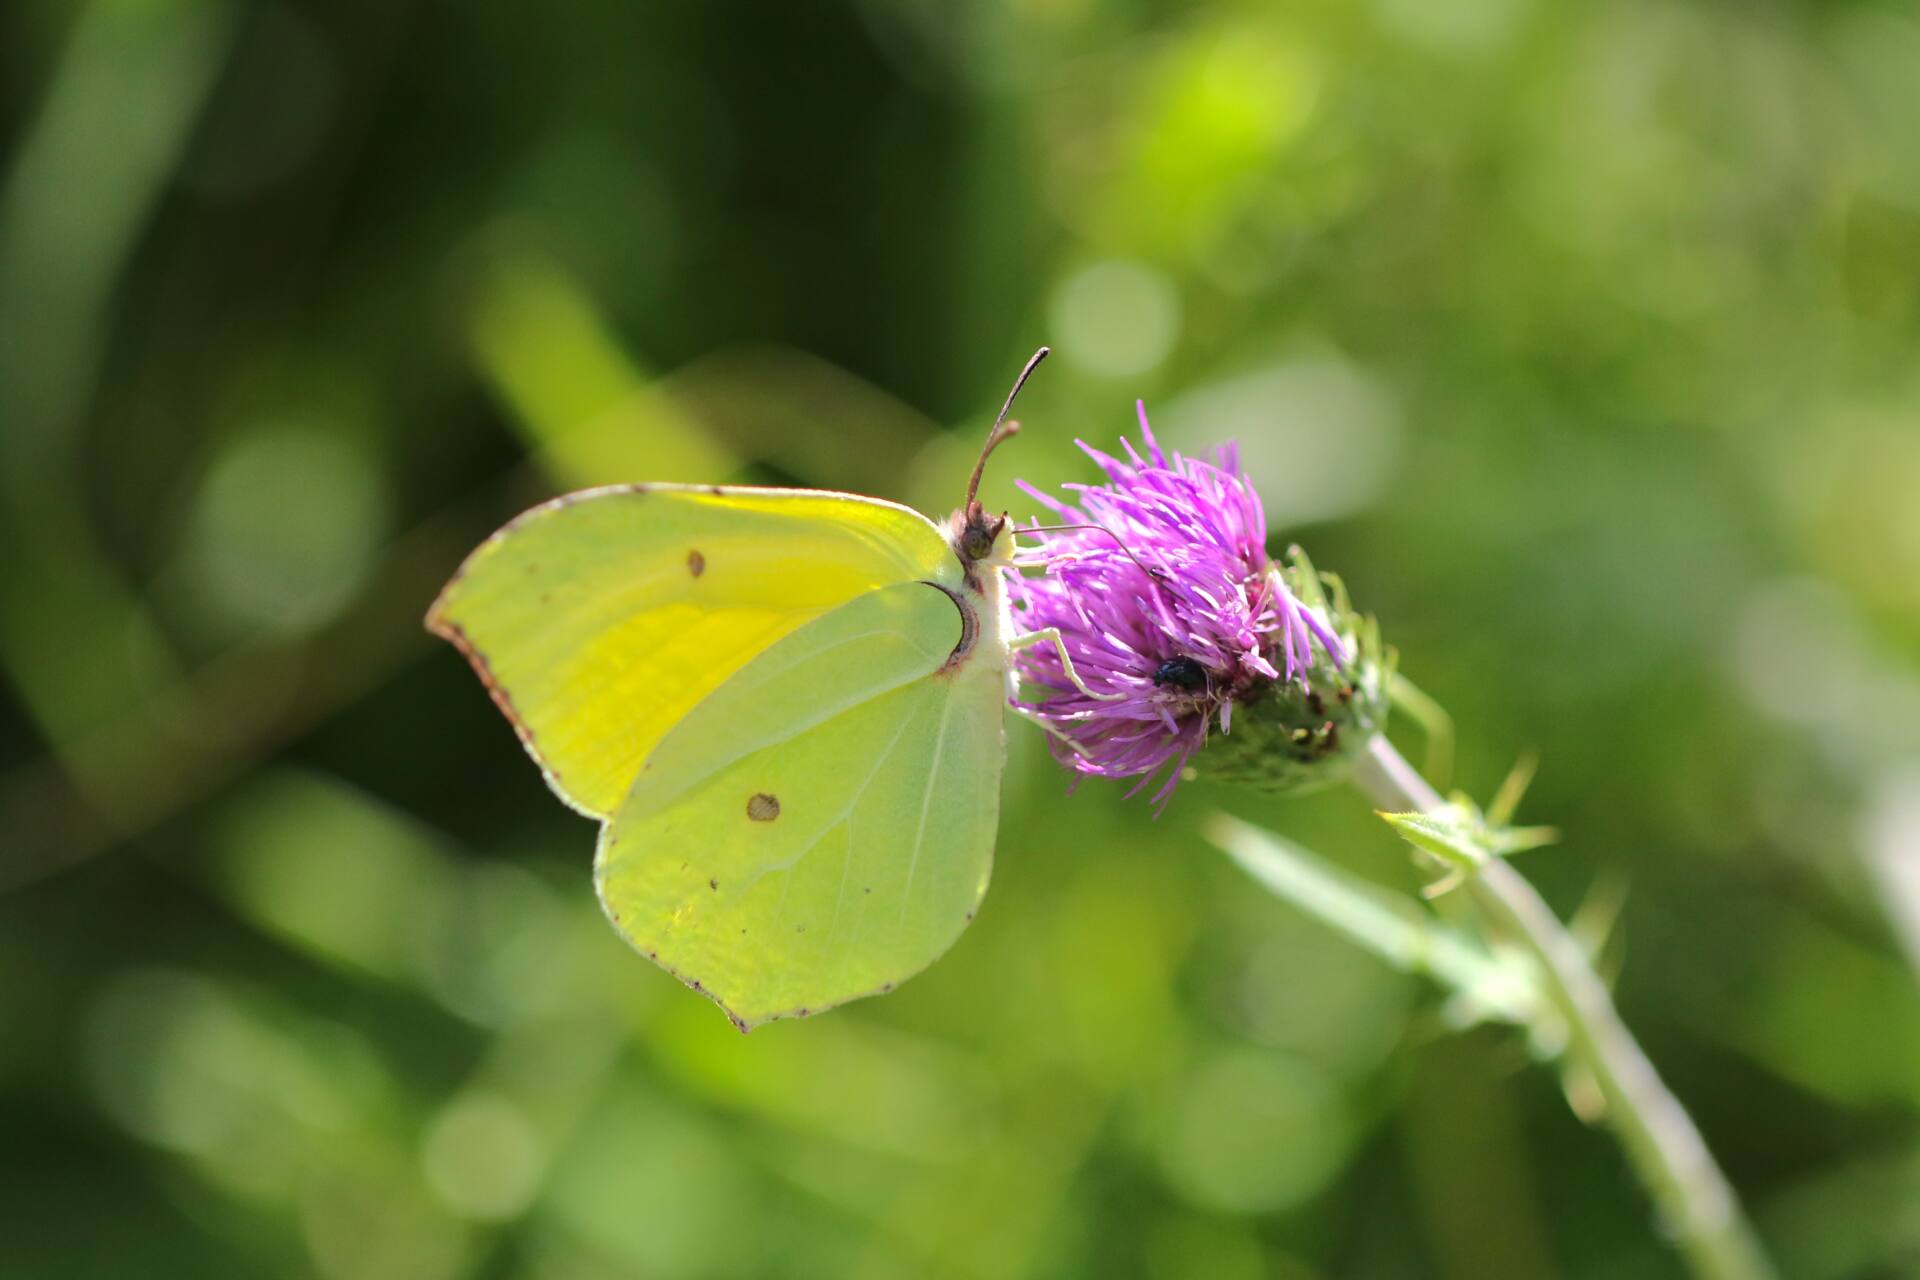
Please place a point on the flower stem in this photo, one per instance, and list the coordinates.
(1665, 1149)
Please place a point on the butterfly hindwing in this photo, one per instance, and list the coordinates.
(599, 620)
(821, 826)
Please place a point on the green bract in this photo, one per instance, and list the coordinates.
(1302, 734)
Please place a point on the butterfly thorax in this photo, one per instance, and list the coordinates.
(983, 544)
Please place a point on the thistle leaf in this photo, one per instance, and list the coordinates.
(1504, 842)
(1506, 801)
(1448, 834)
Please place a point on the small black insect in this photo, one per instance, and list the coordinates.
(1181, 673)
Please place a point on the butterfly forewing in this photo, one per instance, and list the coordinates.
(599, 620)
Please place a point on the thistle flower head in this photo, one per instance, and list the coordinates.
(1178, 625)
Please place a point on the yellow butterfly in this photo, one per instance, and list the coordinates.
(783, 705)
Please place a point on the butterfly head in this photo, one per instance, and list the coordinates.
(979, 538)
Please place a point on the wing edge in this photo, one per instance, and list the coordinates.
(436, 611)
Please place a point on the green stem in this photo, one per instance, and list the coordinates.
(1661, 1142)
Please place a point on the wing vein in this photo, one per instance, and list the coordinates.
(846, 873)
(926, 803)
(805, 724)
(845, 810)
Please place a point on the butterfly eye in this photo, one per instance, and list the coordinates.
(976, 541)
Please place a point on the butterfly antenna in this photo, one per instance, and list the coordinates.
(1001, 428)
(1158, 575)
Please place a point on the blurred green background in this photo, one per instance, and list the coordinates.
(1580, 339)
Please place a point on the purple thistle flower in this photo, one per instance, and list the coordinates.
(1167, 604)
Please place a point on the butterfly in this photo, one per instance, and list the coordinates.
(785, 708)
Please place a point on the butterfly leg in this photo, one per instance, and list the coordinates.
(1053, 730)
(1027, 639)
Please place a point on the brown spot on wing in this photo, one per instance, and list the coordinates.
(696, 563)
(763, 807)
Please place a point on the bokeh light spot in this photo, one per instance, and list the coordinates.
(1318, 435)
(1457, 27)
(1116, 318)
(285, 525)
(1251, 1132)
(332, 871)
(483, 1157)
(651, 1186)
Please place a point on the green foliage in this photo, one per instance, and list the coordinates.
(1462, 837)
(1579, 339)
(1484, 985)
(1459, 837)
